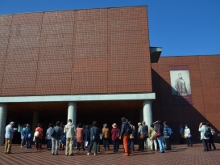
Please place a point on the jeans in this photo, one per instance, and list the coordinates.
(48, 143)
(131, 144)
(54, 146)
(91, 145)
(28, 142)
(105, 143)
(115, 145)
(188, 140)
(161, 143)
(205, 144)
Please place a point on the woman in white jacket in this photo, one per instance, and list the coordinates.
(202, 130)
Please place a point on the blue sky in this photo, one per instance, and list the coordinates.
(190, 27)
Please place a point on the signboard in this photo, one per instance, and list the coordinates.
(180, 82)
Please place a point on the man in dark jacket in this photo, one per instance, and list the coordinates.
(125, 135)
(27, 136)
(55, 137)
(86, 136)
(145, 133)
(94, 138)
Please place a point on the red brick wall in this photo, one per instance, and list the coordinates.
(75, 52)
(204, 79)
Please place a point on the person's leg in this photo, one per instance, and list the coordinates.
(204, 144)
(114, 145)
(56, 146)
(168, 144)
(107, 144)
(90, 147)
(125, 143)
(71, 146)
(52, 147)
(160, 142)
(67, 145)
(37, 143)
(155, 144)
(95, 148)
(6, 145)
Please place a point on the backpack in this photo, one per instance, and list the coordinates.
(170, 131)
(207, 132)
(129, 130)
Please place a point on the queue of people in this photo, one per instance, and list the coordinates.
(60, 137)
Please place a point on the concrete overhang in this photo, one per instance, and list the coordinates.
(155, 54)
(79, 98)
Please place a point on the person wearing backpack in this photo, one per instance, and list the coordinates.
(132, 135)
(166, 135)
(211, 143)
(203, 129)
(55, 137)
(125, 135)
(153, 138)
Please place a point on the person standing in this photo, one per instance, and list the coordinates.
(22, 135)
(115, 135)
(187, 136)
(211, 137)
(152, 137)
(48, 136)
(55, 137)
(79, 137)
(166, 135)
(140, 138)
(38, 138)
(9, 131)
(202, 130)
(145, 133)
(132, 135)
(61, 145)
(94, 138)
(69, 129)
(27, 136)
(106, 135)
(159, 134)
(86, 137)
(181, 132)
(125, 135)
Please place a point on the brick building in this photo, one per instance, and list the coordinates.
(97, 64)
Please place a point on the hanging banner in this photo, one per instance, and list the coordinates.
(180, 82)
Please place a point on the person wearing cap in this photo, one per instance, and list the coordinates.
(115, 135)
(9, 131)
(106, 135)
(140, 137)
(125, 136)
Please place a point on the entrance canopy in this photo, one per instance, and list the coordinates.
(79, 98)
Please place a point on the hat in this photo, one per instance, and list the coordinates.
(104, 125)
(139, 123)
(114, 125)
(12, 123)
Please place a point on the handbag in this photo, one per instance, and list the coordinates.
(159, 133)
(189, 135)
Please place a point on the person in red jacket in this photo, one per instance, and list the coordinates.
(115, 136)
(38, 138)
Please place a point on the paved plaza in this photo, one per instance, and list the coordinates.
(179, 155)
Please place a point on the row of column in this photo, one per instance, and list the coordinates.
(146, 116)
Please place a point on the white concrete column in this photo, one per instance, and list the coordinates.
(35, 120)
(3, 115)
(147, 116)
(72, 112)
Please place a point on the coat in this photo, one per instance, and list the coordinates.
(40, 130)
(202, 131)
(57, 133)
(79, 135)
(9, 131)
(106, 132)
(69, 130)
(145, 130)
(115, 133)
(86, 134)
(94, 131)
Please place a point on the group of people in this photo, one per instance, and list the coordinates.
(59, 136)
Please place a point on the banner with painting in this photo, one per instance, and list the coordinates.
(180, 82)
